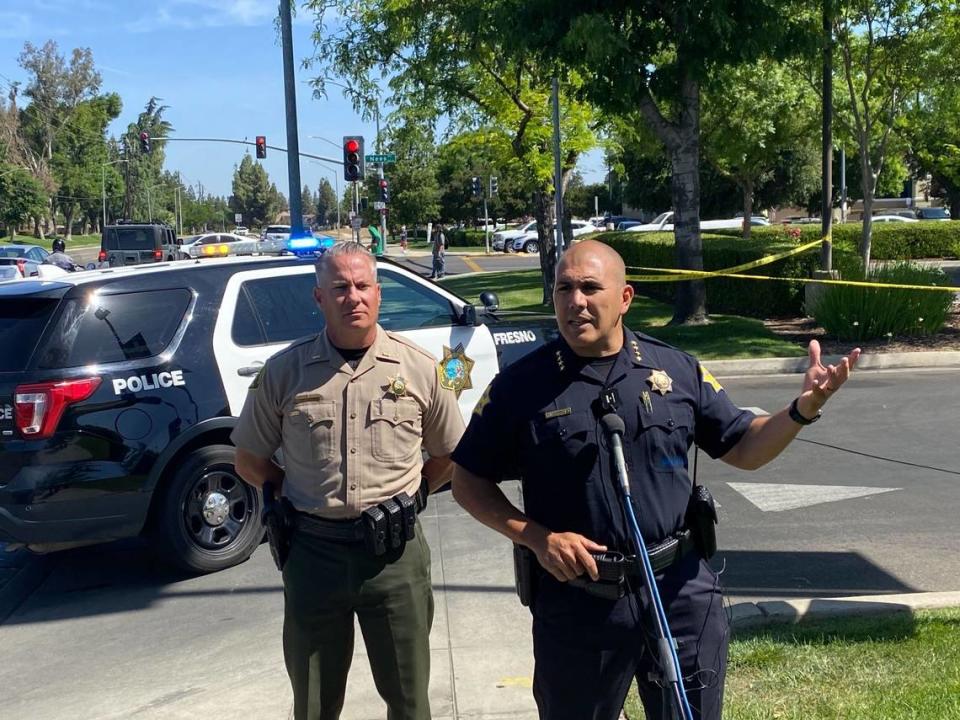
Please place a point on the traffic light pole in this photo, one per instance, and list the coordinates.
(290, 93)
(486, 224)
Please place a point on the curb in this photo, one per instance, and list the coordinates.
(868, 361)
(787, 612)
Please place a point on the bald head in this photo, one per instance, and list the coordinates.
(598, 254)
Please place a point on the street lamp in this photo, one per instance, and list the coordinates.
(103, 186)
(336, 181)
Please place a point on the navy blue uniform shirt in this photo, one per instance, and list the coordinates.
(539, 421)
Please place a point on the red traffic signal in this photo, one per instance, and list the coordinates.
(261, 147)
(145, 142)
(352, 158)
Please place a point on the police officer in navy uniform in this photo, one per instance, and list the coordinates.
(542, 416)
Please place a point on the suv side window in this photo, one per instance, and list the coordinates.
(282, 309)
(113, 328)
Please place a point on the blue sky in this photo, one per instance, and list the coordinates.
(217, 64)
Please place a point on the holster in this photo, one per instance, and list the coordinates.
(276, 519)
(526, 574)
(701, 519)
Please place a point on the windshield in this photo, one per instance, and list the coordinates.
(662, 218)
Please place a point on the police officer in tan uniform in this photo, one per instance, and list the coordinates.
(350, 409)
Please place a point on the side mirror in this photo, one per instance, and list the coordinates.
(469, 316)
(489, 300)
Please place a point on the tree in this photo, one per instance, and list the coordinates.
(752, 116)
(883, 49)
(653, 57)
(413, 186)
(21, 196)
(451, 61)
(326, 203)
(307, 205)
(254, 196)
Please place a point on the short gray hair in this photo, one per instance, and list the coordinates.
(347, 247)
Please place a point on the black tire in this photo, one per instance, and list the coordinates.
(206, 482)
(531, 246)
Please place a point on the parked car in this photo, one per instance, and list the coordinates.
(20, 261)
(664, 223)
(886, 218)
(276, 232)
(119, 389)
(241, 230)
(501, 237)
(933, 213)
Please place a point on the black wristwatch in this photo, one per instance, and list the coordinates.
(800, 419)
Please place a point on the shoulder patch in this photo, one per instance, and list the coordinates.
(482, 402)
(707, 377)
(256, 380)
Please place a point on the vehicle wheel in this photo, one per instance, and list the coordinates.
(169, 258)
(205, 517)
(531, 246)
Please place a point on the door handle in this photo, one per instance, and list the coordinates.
(250, 370)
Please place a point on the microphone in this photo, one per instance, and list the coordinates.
(614, 429)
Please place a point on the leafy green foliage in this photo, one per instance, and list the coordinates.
(861, 313)
(254, 196)
(762, 298)
(21, 195)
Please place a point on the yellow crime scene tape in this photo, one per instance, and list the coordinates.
(676, 274)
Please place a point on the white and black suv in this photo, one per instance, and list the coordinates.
(119, 388)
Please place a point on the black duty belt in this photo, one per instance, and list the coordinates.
(666, 553)
(348, 530)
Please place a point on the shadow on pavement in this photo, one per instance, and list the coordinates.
(779, 574)
(124, 576)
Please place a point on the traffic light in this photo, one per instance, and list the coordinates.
(384, 191)
(145, 142)
(475, 186)
(352, 158)
(261, 147)
(494, 185)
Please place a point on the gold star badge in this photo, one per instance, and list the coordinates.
(482, 402)
(454, 369)
(660, 382)
(397, 386)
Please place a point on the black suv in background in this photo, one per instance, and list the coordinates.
(135, 243)
(119, 388)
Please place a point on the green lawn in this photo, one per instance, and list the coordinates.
(727, 336)
(77, 241)
(871, 668)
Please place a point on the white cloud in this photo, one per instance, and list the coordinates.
(196, 14)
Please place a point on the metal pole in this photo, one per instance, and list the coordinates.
(293, 143)
(103, 194)
(356, 207)
(336, 182)
(557, 173)
(486, 221)
(596, 205)
(383, 212)
(826, 198)
(149, 206)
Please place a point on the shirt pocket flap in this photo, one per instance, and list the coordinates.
(564, 426)
(667, 418)
(312, 410)
(395, 411)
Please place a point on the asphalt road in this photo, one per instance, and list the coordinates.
(865, 502)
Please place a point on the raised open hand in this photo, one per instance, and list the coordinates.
(821, 382)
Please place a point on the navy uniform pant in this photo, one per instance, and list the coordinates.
(588, 650)
(325, 585)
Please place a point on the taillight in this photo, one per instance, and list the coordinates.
(39, 406)
(22, 267)
(158, 254)
(102, 257)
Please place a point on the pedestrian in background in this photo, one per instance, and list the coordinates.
(438, 248)
(351, 408)
(542, 415)
(403, 239)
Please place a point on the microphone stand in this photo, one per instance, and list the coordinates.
(675, 703)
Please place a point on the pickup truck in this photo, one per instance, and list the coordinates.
(664, 223)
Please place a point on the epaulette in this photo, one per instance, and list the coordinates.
(410, 344)
(299, 342)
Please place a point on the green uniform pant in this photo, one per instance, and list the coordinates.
(325, 585)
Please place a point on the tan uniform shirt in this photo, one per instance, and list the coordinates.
(350, 438)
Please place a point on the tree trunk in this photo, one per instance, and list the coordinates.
(869, 188)
(691, 299)
(747, 208)
(953, 200)
(68, 211)
(38, 227)
(544, 211)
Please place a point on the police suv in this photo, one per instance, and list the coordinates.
(119, 388)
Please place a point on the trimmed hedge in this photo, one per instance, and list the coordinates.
(891, 241)
(467, 238)
(732, 295)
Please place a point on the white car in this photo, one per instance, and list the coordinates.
(893, 218)
(276, 233)
(501, 237)
(241, 230)
(218, 245)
